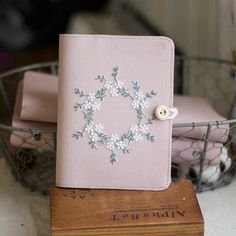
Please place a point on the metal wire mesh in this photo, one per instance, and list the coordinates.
(208, 164)
(32, 161)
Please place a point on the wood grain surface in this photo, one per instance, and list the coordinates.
(174, 211)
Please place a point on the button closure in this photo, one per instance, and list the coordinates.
(162, 112)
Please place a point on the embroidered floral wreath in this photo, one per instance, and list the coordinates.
(95, 132)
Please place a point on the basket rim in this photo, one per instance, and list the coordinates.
(54, 64)
(177, 125)
(28, 67)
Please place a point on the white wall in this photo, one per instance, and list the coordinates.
(193, 24)
(200, 28)
(227, 32)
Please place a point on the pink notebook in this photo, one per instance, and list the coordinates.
(25, 139)
(196, 109)
(39, 97)
(115, 112)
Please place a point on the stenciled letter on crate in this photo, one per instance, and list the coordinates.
(115, 112)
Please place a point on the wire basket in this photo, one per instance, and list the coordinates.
(33, 165)
(33, 161)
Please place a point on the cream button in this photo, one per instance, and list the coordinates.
(162, 112)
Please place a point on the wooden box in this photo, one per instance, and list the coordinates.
(174, 211)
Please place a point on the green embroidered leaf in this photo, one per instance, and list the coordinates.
(103, 141)
(151, 94)
(92, 144)
(85, 115)
(127, 136)
(130, 136)
(77, 135)
(113, 158)
(124, 92)
(115, 71)
(89, 115)
(103, 136)
(77, 106)
(136, 86)
(101, 78)
(101, 94)
(126, 150)
(89, 112)
(150, 137)
(140, 113)
(150, 121)
(123, 137)
(79, 92)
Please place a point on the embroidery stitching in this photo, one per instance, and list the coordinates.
(94, 132)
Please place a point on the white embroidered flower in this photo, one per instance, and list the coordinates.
(96, 106)
(135, 104)
(89, 128)
(138, 137)
(138, 131)
(87, 105)
(114, 92)
(134, 128)
(139, 100)
(110, 145)
(91, 103)
(143, 129)
(93, 136)
(91, 97)
(119, 84)
(108, 85)
(139, 95)
(114, 137)
(98, 128)
(91, 133)
(144, 103)
(120, 144)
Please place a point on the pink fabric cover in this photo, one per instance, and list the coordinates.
(196, 109)
(40, 104)
(25, 139)
(183, 148)
(39, 97)
(148, 60)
